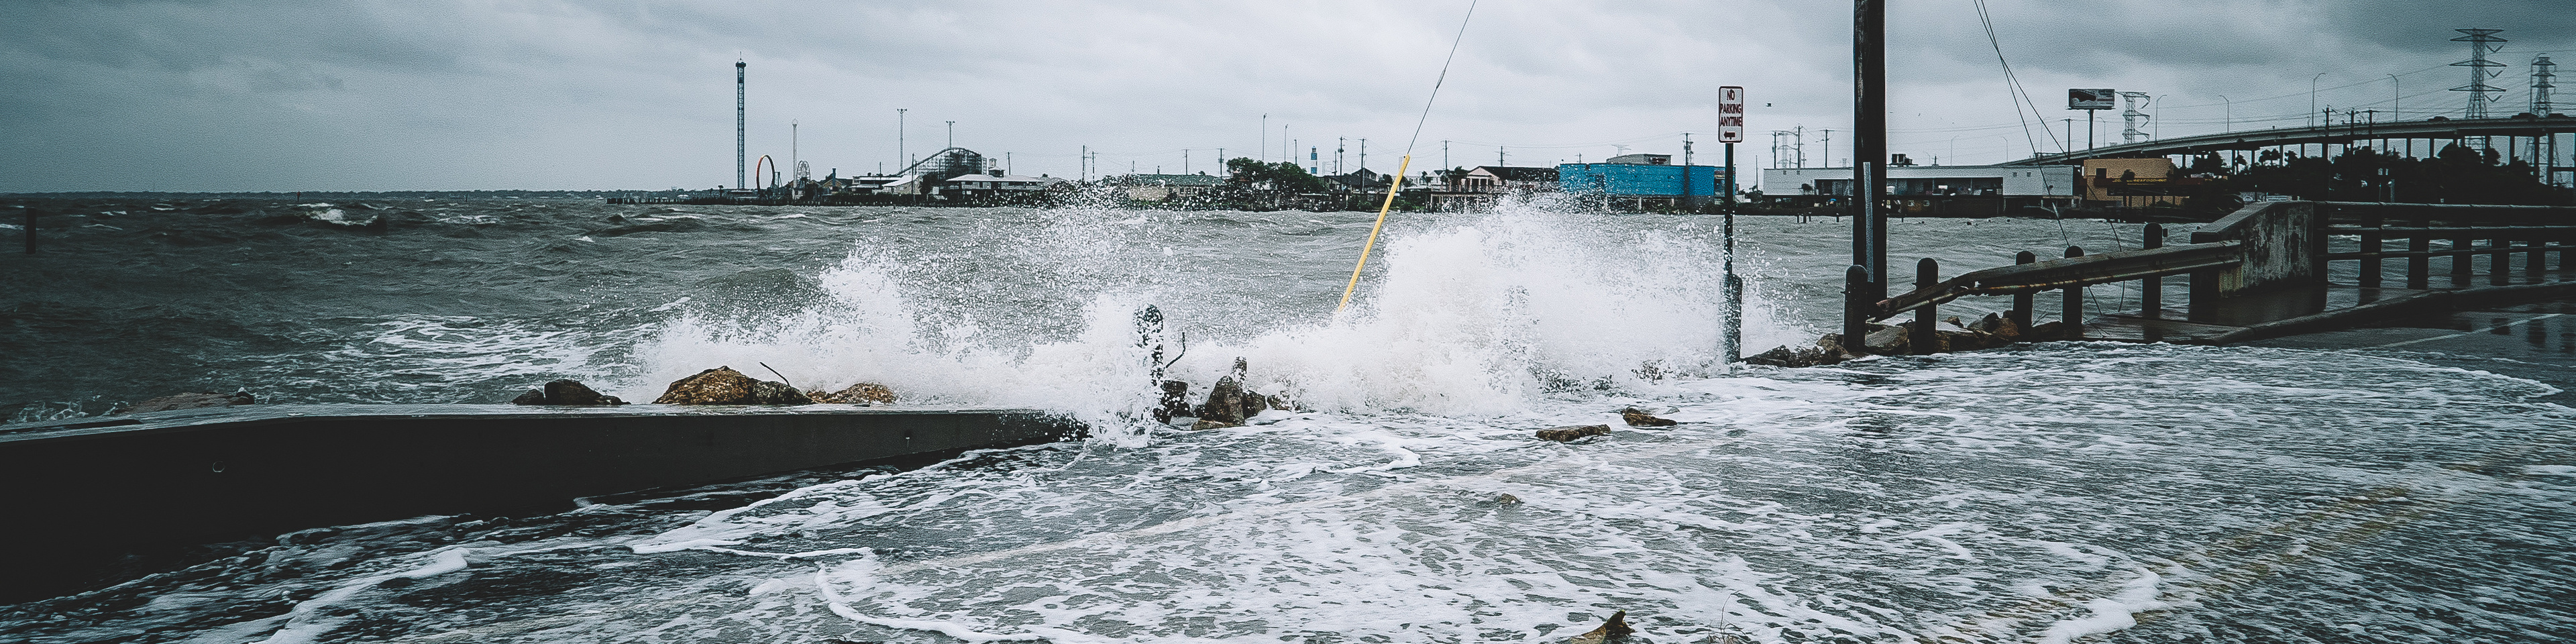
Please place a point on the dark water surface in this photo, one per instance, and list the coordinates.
(2078, 492)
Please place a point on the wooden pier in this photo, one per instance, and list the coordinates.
(2262, 272)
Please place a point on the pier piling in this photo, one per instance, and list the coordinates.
(2151, 291)
(2500, 261)
(2419, 266)
(2463, 264)
(2022, 302)
(2370, 238)
(1927, 273)
(1856, 307)
(2074, 306)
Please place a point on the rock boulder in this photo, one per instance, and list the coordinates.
(190, 400)
(1613, 630)
(1639, 418)
(724, 386)
(1569, 434)
(569, 393)
(865, 393)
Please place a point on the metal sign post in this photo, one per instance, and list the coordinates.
(1730, 131)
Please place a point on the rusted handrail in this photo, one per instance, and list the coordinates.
(2120, 266)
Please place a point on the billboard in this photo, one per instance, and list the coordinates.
(2090, 99)
(1730, 114)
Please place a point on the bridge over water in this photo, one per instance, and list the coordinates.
(2544, 129)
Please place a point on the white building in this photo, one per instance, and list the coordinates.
(2048, 182)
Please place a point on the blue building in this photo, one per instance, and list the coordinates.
(1640, 180)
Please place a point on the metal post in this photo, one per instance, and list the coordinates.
(2151, 291)
(2535, 260)
(2022, 302)
(1734, 345)
(1925, 340)
(2074, 304)
(2370, 243)
(741, 173)
(2419, 269)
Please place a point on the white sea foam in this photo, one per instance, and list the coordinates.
(1481, 314)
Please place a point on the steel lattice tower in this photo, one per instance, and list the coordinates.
(741, 173)
(2541, 72)
(2132, 117)
(2545, 147)
(2481, 42)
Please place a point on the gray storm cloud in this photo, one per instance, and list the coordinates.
(222, 96)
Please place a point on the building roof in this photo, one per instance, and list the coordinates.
(1517, 173)
(1149, 179)
(1642, 158)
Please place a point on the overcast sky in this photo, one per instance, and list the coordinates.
(446, 94)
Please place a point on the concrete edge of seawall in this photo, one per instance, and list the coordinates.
(93, 489)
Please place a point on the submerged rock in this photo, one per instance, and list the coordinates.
(567, 393)
(724, 386)
(1224, 402)
(1639, 418)
(1175, 402)
(1569, 434)
(1615, 629)
(190, 400)
(865, 393)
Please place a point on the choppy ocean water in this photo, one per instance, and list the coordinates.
(2090, 492)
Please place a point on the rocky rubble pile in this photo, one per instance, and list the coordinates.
(1989, 332)
(724, 386)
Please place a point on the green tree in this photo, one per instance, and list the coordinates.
(1283, 176)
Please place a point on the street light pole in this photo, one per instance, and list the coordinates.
(2394, 94)
(2231, 112)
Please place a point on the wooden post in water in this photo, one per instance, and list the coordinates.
(2022, 301)
(2151, 291)
(2074, 305)
(30, 230)
(1927, 273)
(1855, 309)
(2370, 238)
(2463, 262)
(2499, 261)
(2419, 269)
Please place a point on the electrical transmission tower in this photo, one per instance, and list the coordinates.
(2132, 117)
(2481, 42)
(2545, 147)
(2541, 71)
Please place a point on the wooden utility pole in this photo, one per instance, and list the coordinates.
(1869, 162)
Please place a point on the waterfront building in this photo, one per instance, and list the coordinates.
(1936, 190)
(1164, 187)
(1640, 181)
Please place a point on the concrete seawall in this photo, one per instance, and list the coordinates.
(83, 491)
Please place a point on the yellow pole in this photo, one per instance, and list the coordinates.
(1391, 188)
